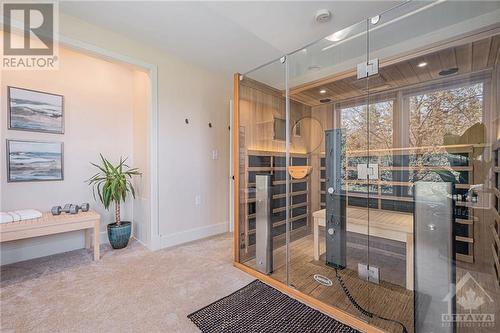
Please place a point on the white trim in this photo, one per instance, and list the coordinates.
(154, 227)
(138, 241)
(104, 53)
(154, 241)
(193, 234)
(231, 166)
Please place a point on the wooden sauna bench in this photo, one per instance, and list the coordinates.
(50, 225)
(383, 223)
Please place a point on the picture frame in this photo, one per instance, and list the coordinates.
(34, 111)
(33, 161)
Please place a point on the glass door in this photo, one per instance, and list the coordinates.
(368, 168)
(329, 226)
(430, 141)
(262, 164)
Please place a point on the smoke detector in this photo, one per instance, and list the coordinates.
(323, 16)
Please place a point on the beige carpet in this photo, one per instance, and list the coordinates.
(129, 290)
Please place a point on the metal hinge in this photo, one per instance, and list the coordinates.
(369, 273)
(367, 171)
(366, 69)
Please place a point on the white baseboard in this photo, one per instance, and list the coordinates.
(193, 234)
(139, 241)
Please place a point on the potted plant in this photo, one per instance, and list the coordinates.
(112, 184)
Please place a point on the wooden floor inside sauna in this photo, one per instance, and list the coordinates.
(386, 299)
(389, 299)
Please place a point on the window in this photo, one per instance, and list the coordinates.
(355, 121)
(449, 112)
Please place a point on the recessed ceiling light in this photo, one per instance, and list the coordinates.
(322, 91)
(422, 64)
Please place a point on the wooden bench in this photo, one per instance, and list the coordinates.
(384, 224)
(50, 225)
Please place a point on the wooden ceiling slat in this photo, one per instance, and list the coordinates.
(308, 94)
(434, 65)
(334, 89)
(421, 72)
(387, 78)
(494, 51)
(404, 80)
(464, 58)
(406, 69)
(344, 89)
(447, 58)
(469, 57)
(394, 77)
(480, 52)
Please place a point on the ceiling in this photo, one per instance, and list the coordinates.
(412, 26)
(469, 57)
(223, 36)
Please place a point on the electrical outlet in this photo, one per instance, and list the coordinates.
(215, 154)
(197, 200)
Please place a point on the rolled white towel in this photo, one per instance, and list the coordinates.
(27, 214)
(18, 215)
(6, 218)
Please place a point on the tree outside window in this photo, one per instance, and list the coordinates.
(373, 127)
(436, 114)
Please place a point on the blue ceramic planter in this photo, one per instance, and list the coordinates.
(119, 235)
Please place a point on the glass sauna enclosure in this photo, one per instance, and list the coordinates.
(368, 169)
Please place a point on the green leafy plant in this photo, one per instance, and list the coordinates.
(112, 183)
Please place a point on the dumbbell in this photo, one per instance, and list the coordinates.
(66, 208)
(73, 209)
(70, 209)
(56, 210)
(84, 207)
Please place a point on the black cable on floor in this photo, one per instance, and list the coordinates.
(360, 308)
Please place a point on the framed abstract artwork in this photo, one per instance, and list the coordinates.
(29, 161)
(30, 110)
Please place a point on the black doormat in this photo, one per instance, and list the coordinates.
(258, 307)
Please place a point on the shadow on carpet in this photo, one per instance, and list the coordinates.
(258, 307)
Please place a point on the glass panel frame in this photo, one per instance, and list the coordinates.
(299, 95)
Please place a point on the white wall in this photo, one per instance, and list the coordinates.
(99, 105)
(186, 167)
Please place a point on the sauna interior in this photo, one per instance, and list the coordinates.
(395, 124)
